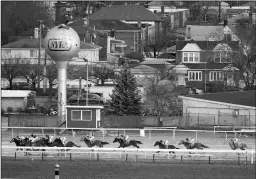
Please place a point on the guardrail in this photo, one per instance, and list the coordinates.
(149, 129)
(141, 151)
(252, 129)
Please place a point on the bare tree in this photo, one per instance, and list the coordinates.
(245, 56)
(161, 91)
(12, 67)
(51, 75)
(103, 71)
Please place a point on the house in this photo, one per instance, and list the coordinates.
(17, 100)
(204, 64)
(146, 22)
(29, 49)
(210, 33)
(228, 108)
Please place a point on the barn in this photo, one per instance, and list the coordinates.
(83, 116)
(227, 108)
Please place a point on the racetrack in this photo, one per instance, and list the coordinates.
(214, 142)
(83, 169)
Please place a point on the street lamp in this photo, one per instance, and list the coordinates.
(86, 80)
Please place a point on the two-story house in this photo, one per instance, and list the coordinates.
(144, 21)
(207, 63)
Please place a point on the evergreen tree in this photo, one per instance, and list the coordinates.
(125, 99)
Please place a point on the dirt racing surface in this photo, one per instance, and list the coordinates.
(119, 170)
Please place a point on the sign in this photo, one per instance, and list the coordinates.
(59, 44)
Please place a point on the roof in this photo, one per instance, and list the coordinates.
(125, 12)
(104, 24)
(15, 93)
(166, 56)
(34, 43)
(208, 66)
(144, 69)
(207, 45)
(243, 17)
(155, 61)
(204, 32)
(246, 98)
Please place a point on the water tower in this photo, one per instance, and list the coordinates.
(62, 43)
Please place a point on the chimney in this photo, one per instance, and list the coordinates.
(36, 31)
(57, 11)
(225, 23)
(162, 9)
(250, 15)
(189, 33)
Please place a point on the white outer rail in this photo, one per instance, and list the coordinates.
(118, 150)
(174, 129)
(235, 127)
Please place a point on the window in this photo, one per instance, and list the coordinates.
(33, 53)
(81, 115)
(191, 57)
(216, 76)
(195, 75)
(221, 57)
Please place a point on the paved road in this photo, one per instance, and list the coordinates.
(115, 170)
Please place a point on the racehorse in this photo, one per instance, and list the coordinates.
(18, 142)
(58, 143)
(162, 146)
(196, 145)
(236, 145)
(94, 143)
(130, 143)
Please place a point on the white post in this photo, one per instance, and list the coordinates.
(173, 134)
(252, 156)
(87, 88)
(57, 170)
(196, 135)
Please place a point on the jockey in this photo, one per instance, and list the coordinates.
(51, 138)
(190, 141)
(64, 140)
(34, 138)
(125, 138)
(164, 142)
(90, 138)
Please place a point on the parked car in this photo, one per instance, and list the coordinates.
(92, 99)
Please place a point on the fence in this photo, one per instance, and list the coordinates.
(192, 121)
(138, 152)
(173, 130)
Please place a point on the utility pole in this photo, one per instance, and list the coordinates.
(39, 54)
(219, 16)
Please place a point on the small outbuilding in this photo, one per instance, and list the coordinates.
(83, 116)
(17, 100)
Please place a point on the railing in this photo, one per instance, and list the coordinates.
(149, 129)
(133, 151)
(252, 129)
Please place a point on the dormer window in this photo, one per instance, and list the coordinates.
(190, 57)
(221, 57)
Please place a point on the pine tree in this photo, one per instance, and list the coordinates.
(125, 99)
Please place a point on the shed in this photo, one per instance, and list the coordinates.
(16, 99)
(83, 116)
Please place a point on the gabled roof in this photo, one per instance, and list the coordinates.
(207, 45)
(144, 69)
(15, 93)
(125, 12)
(34, 43)
(104, 24)
(246, 98)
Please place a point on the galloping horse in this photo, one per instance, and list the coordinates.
(130, 143)
(94, 143)
(196, 145)
(236, 145)
(162, 146)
